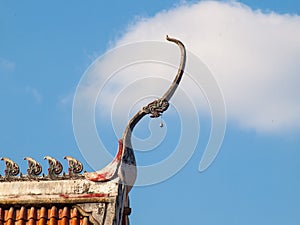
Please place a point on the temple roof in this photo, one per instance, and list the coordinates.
(51, 215)
(64, 214)
(59, 198)
(71, 198)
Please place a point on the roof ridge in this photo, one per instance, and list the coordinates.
(55, 169)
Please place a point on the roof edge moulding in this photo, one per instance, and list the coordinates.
(73, 198)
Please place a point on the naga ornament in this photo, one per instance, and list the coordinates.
(34, 168)
(75, 167)
(12, 168)
(124, 164)
(55, 167)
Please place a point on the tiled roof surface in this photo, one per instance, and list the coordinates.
(62, 201)
(63, 198)
(53, 215)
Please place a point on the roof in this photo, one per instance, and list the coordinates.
(67, 198)
(70, 198)
(51, 215)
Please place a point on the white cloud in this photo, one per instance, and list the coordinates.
(254, 56)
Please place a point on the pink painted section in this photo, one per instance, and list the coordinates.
(120, 151)
(108, 172)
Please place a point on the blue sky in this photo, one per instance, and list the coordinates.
(45, 48)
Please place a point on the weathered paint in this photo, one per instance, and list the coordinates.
(100, 202)
(34, 168)
(55, 187)
(110, 171)
(75, 166)
(12, 168)
(93, 195)
(109, 185)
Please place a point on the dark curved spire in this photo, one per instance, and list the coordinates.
(158, 106)
(124, 165)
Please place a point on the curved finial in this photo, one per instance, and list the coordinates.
(155, 109)
(12, 168)
(158, 106)
(75, 166)
(124, 161)
(169, 93)
(55, 167)
(34, 168)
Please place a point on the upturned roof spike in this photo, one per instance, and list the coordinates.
(124, 164)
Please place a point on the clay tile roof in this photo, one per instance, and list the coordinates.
(52, 215)
(60, 198)
(71, 198)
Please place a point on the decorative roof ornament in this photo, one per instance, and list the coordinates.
(34, 168)
(12, 168)
(73, 197)
(55, 167)
(75, 167)
(156, 108)
(124, 164)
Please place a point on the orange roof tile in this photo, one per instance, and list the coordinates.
(63, 202)
(52, 215)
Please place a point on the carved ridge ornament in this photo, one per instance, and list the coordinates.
(75, 166)
(55, 167)
(34, 170)
(100, 203)
(124, 164)
(12, 168)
